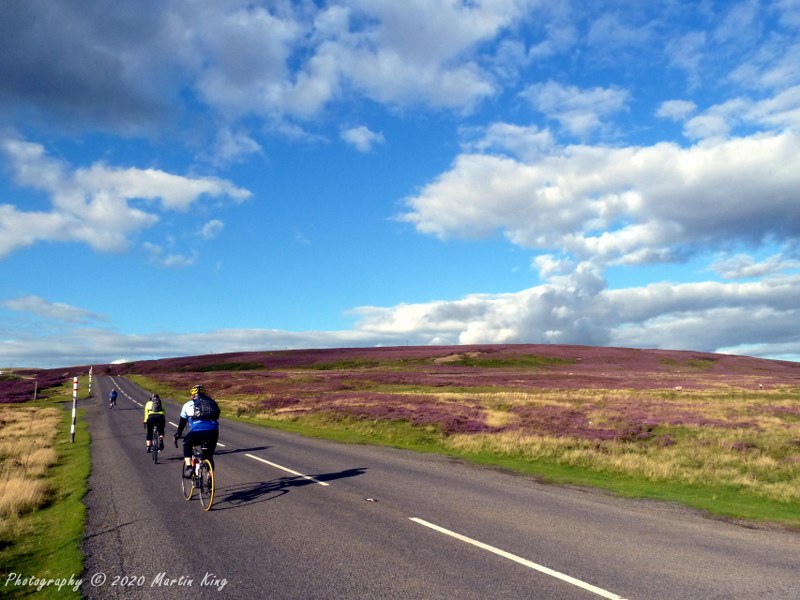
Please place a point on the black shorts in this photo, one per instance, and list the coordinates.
(196, 438)
(157, 421)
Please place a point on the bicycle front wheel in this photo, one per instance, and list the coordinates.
(206, 485)
(187, 484)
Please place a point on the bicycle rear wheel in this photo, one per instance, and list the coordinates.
(206, 485)
(187, 485)
(154, 451)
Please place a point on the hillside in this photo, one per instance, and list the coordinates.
(509, 365)
(529, 365)
(715, 431)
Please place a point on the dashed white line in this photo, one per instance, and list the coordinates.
(527, 563)
(277, 466)
(520, 560)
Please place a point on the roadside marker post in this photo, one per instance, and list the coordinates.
(74, 406)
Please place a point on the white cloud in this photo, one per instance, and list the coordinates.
(233, 147)
(51, 310)
(676, 110)
(526, 143)
(756, 318)
(361, 138)
(687, 52)
(273, 61)
(580, 112)
(622, 205)
(95, 205)
(579, 309)
(169, 261)
(211, 229)
(745, 266)
(102, 346)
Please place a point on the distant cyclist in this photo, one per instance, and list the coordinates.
(112, 398)
(154, 418)
(202, 415)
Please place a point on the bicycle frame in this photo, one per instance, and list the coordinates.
(202, 477)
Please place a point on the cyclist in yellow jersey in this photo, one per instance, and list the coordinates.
(154, 418)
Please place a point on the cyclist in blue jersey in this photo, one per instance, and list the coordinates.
(201, 413)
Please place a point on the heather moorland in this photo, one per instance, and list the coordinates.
(718, 432)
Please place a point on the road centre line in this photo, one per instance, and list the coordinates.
(272, 464)
(522, 561)
(527, 563)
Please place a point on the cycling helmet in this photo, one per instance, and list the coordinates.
(155, 397)
(198, 389)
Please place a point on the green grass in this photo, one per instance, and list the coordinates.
(524, 361)
(49, 541)
(156, 387)
(725, 501)
(344, 365)
(233, 366)
(728, 502)
(698, 364)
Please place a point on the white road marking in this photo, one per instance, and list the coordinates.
(522, 561)
(124, 393)
(272, 464)
(527, 563)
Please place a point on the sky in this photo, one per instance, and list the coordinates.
(203, 176)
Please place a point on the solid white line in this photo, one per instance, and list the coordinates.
(522, 561)
(272, 464)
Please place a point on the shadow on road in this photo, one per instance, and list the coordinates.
(219, 452)
(234, 496)
(116, 437)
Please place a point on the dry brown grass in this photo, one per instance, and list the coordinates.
(706, 433)
(765, 464)
(26, 452)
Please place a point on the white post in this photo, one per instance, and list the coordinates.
(90, 380)
(74, 406)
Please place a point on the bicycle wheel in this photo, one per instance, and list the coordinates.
(206, 485)
(187, 485)
(154, 451)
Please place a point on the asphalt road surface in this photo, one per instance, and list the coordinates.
(305, 518)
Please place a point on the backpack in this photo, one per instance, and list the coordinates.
(206, 408)
(155, 407)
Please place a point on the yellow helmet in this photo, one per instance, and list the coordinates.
(198, 389)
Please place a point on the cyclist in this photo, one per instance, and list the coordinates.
(154, 418)
(201, 413)
(112, 398)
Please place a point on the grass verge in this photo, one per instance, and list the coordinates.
(723, 500)
(41, 550)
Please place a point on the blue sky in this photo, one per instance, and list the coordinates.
(181, 178)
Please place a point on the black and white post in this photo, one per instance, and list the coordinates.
(74, 406)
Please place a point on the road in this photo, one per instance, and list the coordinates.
(305, 518)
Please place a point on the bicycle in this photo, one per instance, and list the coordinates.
(112, 401)
(156, 441)
(154, 448)
(202, 477)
